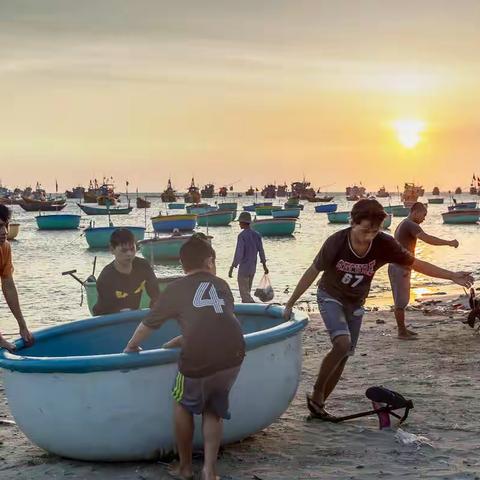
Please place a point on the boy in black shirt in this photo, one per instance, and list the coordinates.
(122, 282)
(349, 259)
(212, 351)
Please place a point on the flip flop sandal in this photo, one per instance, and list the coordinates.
(318, 411)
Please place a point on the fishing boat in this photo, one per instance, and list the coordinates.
(251, 208)
(222, 192)
(176, 206)
(339, 217)
(411, 193)
(461, 216)
(215, 219)
(293, 202)
(302, 190)
(41, 206)
(458, 191)
(193, 194)
(13, 229)
(58, 222)
(282, 190)
(435, 201)
(266, 210)
(325, 198)
(286, 213)
(106, 195)
(103, 403)
(208, 191)
(436, 191)
(143, 203)
(400, 211)
(250, 192)
(274, 227)
(462, 205)
(331, 207)
(162, 248)
(269, 191)
(99, 237)
(168, 223)
(75, 192)
(169, 195)
(355, 192)
(90, 195)
(230, 207)
(382, 193)
(200, 208)
(117, 210)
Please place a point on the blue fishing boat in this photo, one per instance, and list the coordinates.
(251, 208)
(200, 208)
(286, 213)
(99, 237)
(58, 222)
(176, 206)
(274, 227)
(463, 206)
(436, 201)
(162, 248)
(399, 211)
(215, 219)
(339, 217)
(168, 223)
(462, 216)
(76, 395)
(116, 210)
(327, 208)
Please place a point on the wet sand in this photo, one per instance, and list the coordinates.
(440, 372)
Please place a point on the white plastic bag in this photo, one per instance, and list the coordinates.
(264, 290)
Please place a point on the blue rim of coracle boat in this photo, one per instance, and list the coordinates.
(146, 358)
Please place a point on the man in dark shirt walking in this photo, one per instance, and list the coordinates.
(249, 244)
(406, 235)
(349, 259)
(121, 284)
(212, 351)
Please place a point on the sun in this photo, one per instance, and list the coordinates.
(409, 131)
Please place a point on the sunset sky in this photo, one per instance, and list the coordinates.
(240, 91)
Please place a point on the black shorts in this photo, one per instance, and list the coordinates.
(206, 394)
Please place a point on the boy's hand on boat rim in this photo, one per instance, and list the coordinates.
(287, 313)
(132, 349)
(28, 338)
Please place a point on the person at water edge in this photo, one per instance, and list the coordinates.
(212, 351)
(249, 244)
(406, 235)
(349, 259)
(8, 285)
(121, 283)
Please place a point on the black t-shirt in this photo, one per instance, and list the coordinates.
(346, 276)
(118, 291)
(212, 336)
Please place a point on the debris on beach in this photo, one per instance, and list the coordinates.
(406, 438)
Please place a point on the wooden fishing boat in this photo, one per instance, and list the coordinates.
(436, 191)
(13, 229)
(76, 192)
(339, 217)
(117, 210)
(458, 191)
(103, 403)
(208, 191)
(41, 206)
(382, 193)
(462, 216)
(215, 219)
(58, 222)
(325, 198)
(200, 208)
(162, 248)
(331, 207)
(274, 227)
(169, 194)
(99, 237)
(143, 203)
(168, 223)
(435, 201)
(286, 213)
(193, 194)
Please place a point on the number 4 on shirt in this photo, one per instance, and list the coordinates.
(348, 277)
(213, 300)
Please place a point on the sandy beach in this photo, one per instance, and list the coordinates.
(439, 372)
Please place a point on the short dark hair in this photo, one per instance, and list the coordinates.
(195, 251)
(417, 207)
(368, 209)
(5, 213)
(122, 236)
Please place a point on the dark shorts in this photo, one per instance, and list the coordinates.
(339, 319)
(206, 394)
(400, 283)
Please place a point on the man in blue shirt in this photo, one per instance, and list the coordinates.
(249, 243)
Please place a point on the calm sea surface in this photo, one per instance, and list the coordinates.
(48, 298)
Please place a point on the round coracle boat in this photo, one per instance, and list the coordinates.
(75, 394)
